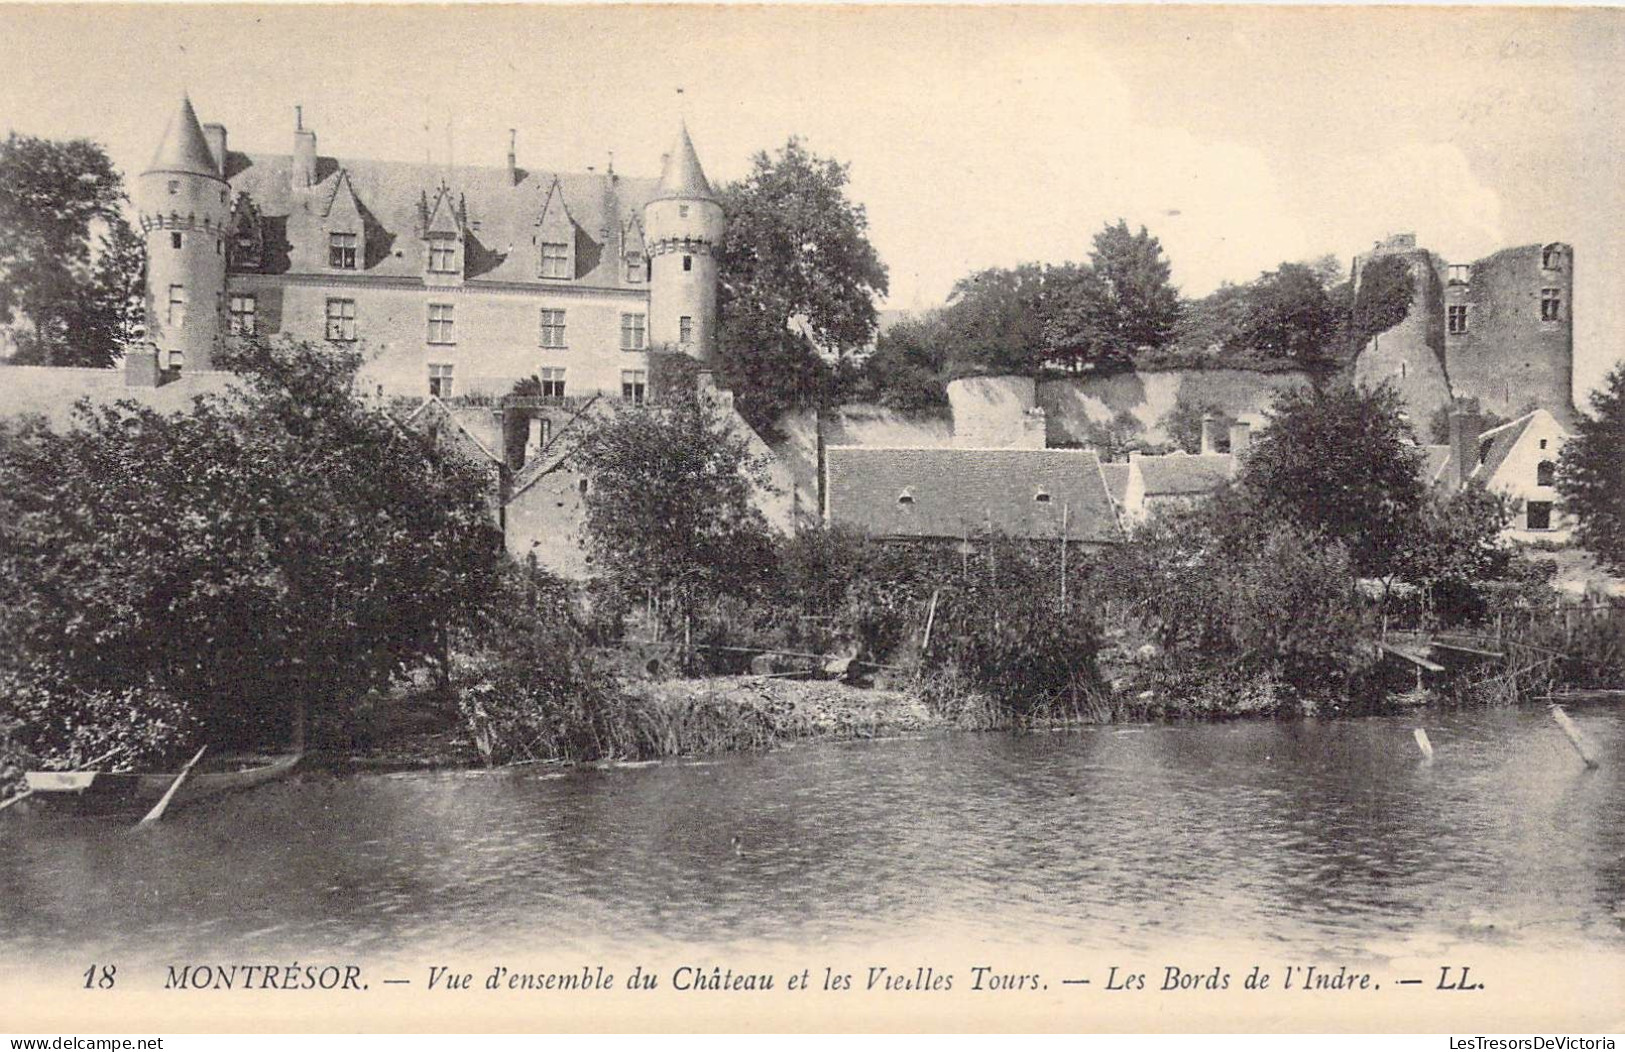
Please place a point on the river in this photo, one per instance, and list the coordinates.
(1330, 836)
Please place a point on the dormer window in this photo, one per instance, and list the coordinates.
(341, 254)
(555, 259)
(636, 268)
(1460, 274)
(1551, 257)
(906, 498)
(1040, 497)
(443, 255)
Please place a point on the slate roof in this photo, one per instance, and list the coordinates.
(682, 176)
(1184, 475)
(501, 212)
(183, 147)
(50, 392)
(958, 492)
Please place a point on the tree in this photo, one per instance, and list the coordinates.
(282, 547)
(1341, 462)
(70, 266)
(1387, 287)
(669, 504)
(994, 322)
(797, 251)
(1183, 423)
(1591, 474)
(1288, 313)
(1122, 303)
(909, 364)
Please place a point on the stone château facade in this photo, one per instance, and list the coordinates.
(452, 281)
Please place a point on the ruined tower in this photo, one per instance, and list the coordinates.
(683, 226)
(185, 212)
(1500, 331)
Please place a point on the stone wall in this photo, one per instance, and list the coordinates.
(1073, 405)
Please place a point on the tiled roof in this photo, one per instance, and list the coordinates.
(1184, 475)
(33, 390)
(1116, 479)
(953, 493)
(183, 147)
(502, 212)
(1496, 443)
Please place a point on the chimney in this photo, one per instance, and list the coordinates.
(141, 365)
(1241, 438)
(513, 157)
(1464, 430)
(215, 134)
(1210, 428)
(303, 173)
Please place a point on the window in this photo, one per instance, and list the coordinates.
(552, 383)
(442, 323)
(906, 498)
(1543, 443)
(634, 385)
(1458, 320)
(1551, 257)
(176, 317)
(341, 251)
(1538, 515)
(341, 319)
(685, 329)
(443, 256)
(1551, 304)
(682, 211)
(1546, 473)
(555, 259)
(553, 328)
(636, 268)
(242, 316)
(174, 186)
(177, 361)
(175, 239)
(440, 379)
(1460, 273)
(219, 246)
(632, 332)
(1041, 497)
(688, 262)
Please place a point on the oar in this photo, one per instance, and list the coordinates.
(26, 793)
(162, 805)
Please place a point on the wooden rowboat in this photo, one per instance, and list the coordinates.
(117, 792)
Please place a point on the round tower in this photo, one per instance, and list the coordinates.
(185, 210)
(683, 227)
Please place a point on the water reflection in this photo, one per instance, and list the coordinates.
(1317, 836)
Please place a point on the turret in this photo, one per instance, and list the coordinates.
(683, 228)
(185, 214)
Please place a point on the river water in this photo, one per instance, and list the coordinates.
(1313, 836)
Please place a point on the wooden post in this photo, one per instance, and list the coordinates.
(1581, 743)
(930, 620)
(1066, 510)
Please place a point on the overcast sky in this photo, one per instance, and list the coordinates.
(977, 136)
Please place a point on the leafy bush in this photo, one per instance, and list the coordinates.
(56, 726)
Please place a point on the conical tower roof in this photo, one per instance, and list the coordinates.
(184, 149)
(682, 176)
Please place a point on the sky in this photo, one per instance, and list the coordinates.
(976, 136)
